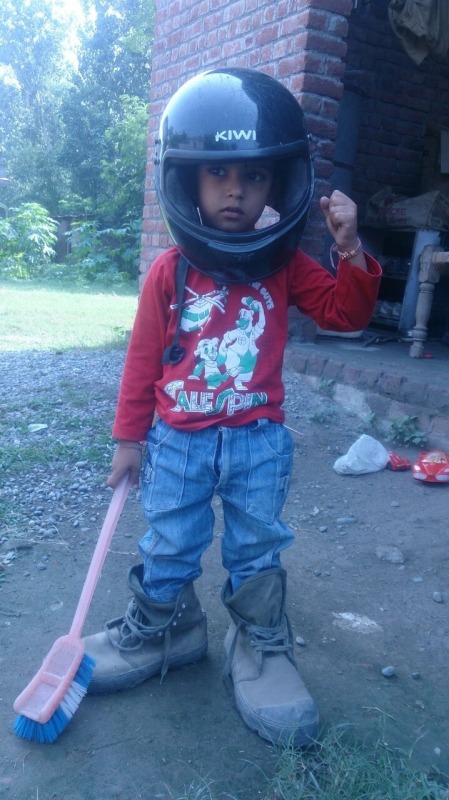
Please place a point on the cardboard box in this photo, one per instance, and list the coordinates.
(427, 211)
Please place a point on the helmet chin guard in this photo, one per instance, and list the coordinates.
(225, 116)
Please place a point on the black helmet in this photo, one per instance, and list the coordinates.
(233, 115)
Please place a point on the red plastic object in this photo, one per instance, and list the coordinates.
(397, 463)
(432, 467)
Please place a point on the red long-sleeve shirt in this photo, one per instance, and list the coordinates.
(234, 337)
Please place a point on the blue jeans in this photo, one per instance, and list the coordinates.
(249, 467)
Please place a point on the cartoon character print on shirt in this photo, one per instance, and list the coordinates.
(209, 364)
(231, 360)
(238, 347)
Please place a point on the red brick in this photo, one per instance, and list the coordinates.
(316, 365)
(389, 384)
(333, 370)
(351, 375)
(309, 45)
(326, 87)
(335, 6)
(267, 34)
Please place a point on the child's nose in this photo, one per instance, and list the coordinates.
(235, 183)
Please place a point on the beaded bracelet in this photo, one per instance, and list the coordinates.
(131, 446)
(344, 255)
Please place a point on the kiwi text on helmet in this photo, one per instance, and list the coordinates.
(229, 136)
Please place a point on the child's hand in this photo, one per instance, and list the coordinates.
(341, 219)
(127, 458)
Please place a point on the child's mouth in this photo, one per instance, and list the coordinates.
(232, 212)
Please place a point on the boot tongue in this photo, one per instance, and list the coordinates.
(267, 610)
(260, 600)
(155, 613)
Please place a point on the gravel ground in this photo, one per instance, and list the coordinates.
(368, 592)
(55, 446)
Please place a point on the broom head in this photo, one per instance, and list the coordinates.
(51, 698)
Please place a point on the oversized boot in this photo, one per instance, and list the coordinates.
(150, 639)
(269, 692)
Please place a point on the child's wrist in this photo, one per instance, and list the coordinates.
(345, 254)
(129, 445)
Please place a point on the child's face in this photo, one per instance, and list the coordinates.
(232, 197)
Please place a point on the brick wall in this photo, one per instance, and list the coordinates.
(401, 100)
(310, 46)
(300, 42)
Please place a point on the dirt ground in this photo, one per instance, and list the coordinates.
(368, 589)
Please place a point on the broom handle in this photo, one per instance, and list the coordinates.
(104, 540)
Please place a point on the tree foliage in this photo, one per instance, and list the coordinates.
(34, 76)
(109, 94)
(123, 170)
(74, 99)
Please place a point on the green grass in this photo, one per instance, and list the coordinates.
(46, 317)
(41, 317)
(339, 767)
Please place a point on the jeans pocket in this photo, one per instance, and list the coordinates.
(164, 472)
(271, 454)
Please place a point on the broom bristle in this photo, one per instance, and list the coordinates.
(48, 732)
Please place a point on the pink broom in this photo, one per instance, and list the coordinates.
(50, 700)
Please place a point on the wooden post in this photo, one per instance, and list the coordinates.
(432, 264)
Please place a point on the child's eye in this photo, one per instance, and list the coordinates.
(258, 175)
(216, 170)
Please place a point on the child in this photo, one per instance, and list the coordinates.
(206, 355)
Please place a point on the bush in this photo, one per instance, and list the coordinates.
(108, 255)
(27, 239)
(405, 431)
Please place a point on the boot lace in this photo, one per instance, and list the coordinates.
(278, 639)
(135, 631)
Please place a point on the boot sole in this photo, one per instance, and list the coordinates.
(299, 736)
(120, 683)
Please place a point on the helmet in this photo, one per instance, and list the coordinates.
(229, 115)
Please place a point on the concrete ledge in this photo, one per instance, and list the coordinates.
(386, 393)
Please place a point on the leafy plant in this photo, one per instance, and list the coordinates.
(111, 254)
(27, 239)
(326, 387)
(321, 417)
(405, 431)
